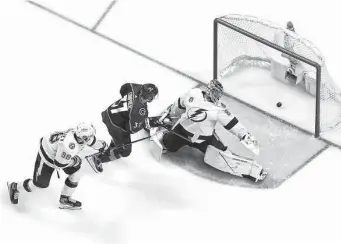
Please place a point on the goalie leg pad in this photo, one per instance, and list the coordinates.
(229, 162)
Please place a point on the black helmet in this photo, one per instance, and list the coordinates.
(148, 92)
(290, 26)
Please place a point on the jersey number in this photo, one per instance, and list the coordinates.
(119, 106)
(66, 156)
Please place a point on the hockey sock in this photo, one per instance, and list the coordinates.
(26, 185)
(69, 187)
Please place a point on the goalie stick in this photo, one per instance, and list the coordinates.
(168, 128)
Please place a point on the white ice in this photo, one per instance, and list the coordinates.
(54, 74)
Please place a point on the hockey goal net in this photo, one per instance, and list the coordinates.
(242, 42)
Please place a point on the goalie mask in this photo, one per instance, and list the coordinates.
(148, 92)
(85, 132)
(214, 91)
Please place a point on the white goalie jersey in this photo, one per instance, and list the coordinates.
(199, 116)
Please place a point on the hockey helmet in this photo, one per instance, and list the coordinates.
(214, 90)
(148, 92)
(290, 26)
(85, 132)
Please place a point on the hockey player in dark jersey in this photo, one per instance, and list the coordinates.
(124, 117)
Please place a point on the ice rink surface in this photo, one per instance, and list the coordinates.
(55, 75)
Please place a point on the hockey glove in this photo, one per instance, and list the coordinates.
(103, 147)
(75, 161)
(147, 123)
(153, 122)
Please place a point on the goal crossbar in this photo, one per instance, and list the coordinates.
(220, 21)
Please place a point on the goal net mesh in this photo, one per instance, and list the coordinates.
(236, 51)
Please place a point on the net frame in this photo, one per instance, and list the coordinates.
(317, 66)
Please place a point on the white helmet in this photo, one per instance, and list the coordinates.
(214, 90)
(85, 131)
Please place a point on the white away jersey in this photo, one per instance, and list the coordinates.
(200, 116)
(58, 148)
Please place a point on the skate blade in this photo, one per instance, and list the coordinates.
(62, 206)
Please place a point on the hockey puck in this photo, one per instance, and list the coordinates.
(279, 104)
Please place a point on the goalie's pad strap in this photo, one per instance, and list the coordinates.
(231, 124)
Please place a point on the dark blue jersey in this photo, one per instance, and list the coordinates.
(128, 113)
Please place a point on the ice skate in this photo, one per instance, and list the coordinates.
(13, 192)
(95, 162)
(69, 203)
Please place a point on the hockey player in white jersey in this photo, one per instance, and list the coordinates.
(197, 114)
(59, 150)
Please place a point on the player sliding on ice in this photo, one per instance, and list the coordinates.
(59, 150)
(124, 117)
(197, 114)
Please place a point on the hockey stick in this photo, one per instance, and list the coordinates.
(177, 134)
(127, 144)
(90, 158)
